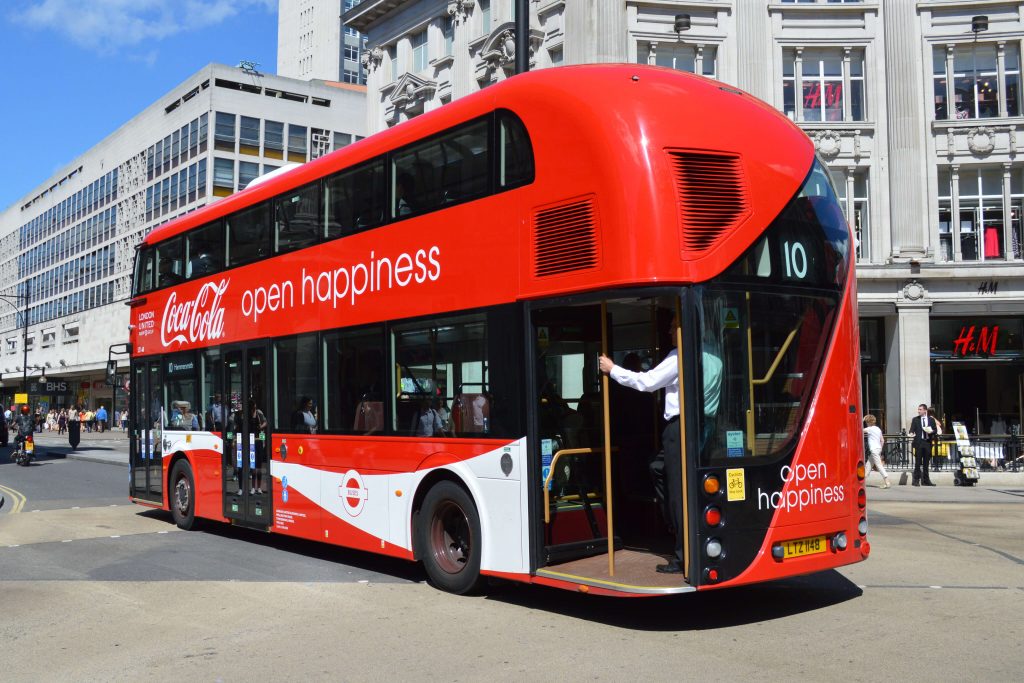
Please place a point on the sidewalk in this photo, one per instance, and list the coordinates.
(110, 447)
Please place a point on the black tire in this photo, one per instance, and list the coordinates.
(182, 495)
(448, 539)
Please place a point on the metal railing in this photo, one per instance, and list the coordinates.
(992, 452)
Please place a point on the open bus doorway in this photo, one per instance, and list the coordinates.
(596, 477)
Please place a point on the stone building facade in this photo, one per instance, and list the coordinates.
(915, 107)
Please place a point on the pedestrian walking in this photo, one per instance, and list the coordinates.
(74, 427)
(873, 457)
(62, 421)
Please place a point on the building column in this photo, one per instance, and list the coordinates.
(595, 31)
(753, 69)
(913, 342)
(798, 83)
(950, 91)
(847, 105)
(1001, 75)
(954, 210)
(907, 149)
(1007, 213)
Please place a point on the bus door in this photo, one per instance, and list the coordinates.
(245, 472)
(595, 440)
(146, 448)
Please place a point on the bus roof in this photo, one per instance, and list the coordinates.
(583, 85)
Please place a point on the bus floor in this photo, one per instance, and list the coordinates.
(634, 568)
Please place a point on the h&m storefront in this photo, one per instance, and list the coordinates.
(977, 371)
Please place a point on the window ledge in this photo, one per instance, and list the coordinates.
(442, 62)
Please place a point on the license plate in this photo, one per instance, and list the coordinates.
(29, 447)
(804, 546)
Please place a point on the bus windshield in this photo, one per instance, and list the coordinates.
(768, 319)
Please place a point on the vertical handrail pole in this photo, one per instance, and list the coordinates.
(605, 400)
(685, 531)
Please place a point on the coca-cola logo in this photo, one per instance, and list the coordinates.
(201, 319)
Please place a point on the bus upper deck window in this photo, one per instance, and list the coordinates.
(297, 218)
(355, 199)
(516, 167)
(170, 263)
(248, 235)
(204, 250)
(144, 274)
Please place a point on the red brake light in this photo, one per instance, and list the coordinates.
(862, 498)
(712, 516)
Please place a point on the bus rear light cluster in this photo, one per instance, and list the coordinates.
(861, 472)
(713, 548)
(862, 498)
(712, 485)
(712, 516)
(839, 541)
(862, 526)
(711, 575)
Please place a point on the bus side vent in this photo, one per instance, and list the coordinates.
(565, 238)
(712, 196)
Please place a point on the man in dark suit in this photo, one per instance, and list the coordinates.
(923, 429)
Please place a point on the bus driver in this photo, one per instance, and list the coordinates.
(666, 376)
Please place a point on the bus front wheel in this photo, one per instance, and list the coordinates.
(183, 495)
(448, 538)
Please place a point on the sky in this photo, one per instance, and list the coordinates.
(73, 71)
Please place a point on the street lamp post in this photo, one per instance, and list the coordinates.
(23, 298)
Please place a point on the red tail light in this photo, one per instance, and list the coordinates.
(712, 516)
(862, 498)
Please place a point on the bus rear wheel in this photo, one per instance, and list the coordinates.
(448, 538)
(183, 495)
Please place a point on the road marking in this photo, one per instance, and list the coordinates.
(17, 499)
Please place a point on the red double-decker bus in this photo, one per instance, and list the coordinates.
(396, 347)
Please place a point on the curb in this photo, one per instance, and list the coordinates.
(85, 457)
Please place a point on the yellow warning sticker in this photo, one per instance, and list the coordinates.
(731, 318)
(734, 485)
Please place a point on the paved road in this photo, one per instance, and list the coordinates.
(92, 588)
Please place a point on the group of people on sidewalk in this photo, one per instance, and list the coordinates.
(57, 420)
(924, 430)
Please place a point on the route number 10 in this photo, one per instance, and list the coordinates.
(796, 259)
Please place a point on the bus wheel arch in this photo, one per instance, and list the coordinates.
(181, 491)
(447, 535)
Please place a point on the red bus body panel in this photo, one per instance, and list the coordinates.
(598, 132)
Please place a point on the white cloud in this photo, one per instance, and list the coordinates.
(107, 25)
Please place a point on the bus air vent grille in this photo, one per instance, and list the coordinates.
(712, 196)
(565, 238)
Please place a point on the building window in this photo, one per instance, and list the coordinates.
(485, 17)
(418, 41)
(830, 82)
(224, 132)
(972, 220)
(296, 143)
(448, 31)
(974, 72)
(247, 172)
(223, 177)
(249, 135)
(698, 59)
(273, 140)
(852, 191)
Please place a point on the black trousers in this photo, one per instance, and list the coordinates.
(922, 459)
(667, 475)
